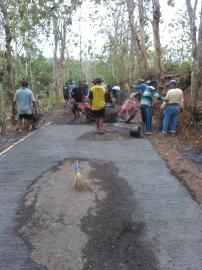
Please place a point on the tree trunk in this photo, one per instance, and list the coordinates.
(156, 34)
(142, 48)
(60, 65)
(9, 67)
(8, 53)
(135, 50)
(192, 21)
(196, 84)
(62, 62)
(132, 59)
(55, 57)
(2, 114)
(1, 96)
(80, 49)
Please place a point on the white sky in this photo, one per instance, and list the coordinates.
(89, 29)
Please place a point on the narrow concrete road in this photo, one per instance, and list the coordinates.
(171, 218)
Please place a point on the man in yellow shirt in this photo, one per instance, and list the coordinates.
(98, 103)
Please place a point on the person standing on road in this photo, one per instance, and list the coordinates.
(25, 101)
(66, 92)
(173, 105)
(67, 89)
(108, 94)
(98, 103)
(77, 95)
(83, 85)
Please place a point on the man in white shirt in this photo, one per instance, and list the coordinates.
(174, 103)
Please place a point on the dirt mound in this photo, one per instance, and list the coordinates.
(51, 214)
(62, 114)
(84, 230)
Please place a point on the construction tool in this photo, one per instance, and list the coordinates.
(79, 182)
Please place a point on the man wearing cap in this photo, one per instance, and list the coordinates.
(173, 104)
(97, 98)
(25, 101)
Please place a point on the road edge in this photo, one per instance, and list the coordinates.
(21, 140)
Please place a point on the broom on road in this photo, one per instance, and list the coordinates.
(79, 182)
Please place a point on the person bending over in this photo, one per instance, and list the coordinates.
(148, 91)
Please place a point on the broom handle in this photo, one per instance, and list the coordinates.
(77, 166)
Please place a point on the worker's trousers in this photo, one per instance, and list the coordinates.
(147, 117)
(171, 113)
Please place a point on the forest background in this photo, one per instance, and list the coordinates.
(50, 41)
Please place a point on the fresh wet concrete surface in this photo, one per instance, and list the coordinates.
(146, 220)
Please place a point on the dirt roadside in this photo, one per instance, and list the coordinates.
(173, 150)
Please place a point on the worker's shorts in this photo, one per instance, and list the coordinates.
(26, 116)
(98, 113)
(76, 109)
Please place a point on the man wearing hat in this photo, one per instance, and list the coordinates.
(25, 101)
(174, 103)
(97, 98)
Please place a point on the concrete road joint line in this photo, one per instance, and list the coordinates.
(22, 140)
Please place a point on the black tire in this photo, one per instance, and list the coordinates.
(135, 131)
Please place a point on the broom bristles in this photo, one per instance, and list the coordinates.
(80, 183)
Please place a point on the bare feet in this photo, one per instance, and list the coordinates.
(19, 131)
(101, 132)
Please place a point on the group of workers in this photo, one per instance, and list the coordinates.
(172, 103)
(97, 96)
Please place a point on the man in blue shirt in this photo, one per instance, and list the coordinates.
(25, 101)
(148, 91)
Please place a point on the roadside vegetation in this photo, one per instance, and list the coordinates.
(135, 47)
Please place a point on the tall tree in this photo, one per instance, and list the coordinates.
(196, 84)
(193, 29)
(156, 34)
(134, 41)
(8, 26)
(142, 47)
(18, 18)
(61, 16)
(179, 48)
